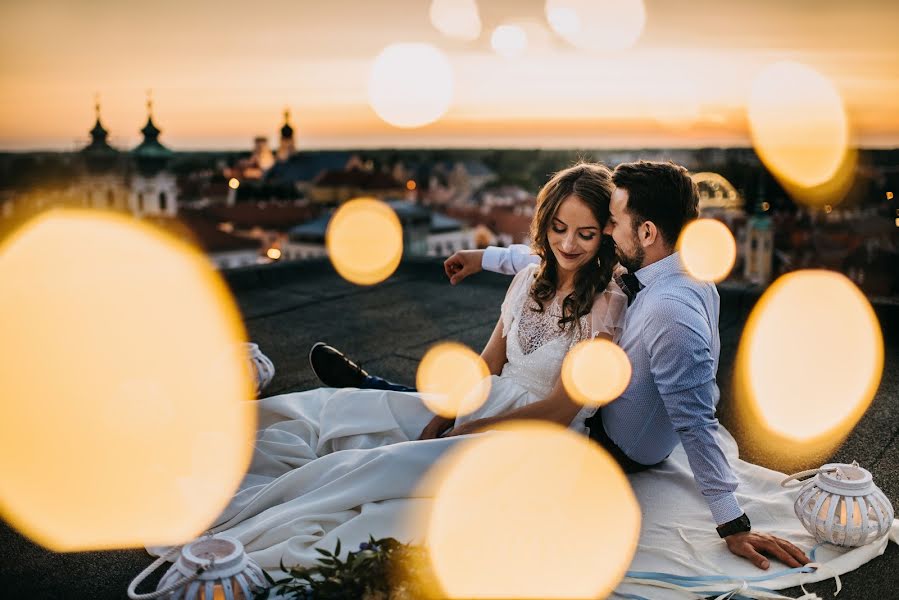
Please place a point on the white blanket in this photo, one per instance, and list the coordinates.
(321, 474)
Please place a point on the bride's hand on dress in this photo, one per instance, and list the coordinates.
(436, 427)
(462, 264)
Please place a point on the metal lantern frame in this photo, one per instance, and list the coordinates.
(211, 567)
(841, 505)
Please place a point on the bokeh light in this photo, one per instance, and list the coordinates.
(707, 249)
(595, 372)
(453, 379)
(509, 41)
(273, 253)
(125, 419)
(597, 25)
(716, 192)
(800, 131)
(809, 363)
(458, 19)
(364, 241)
(233, 183)
(533, 510)
(410, 85)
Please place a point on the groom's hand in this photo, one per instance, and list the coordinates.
(462, 264)
(436, 427)
(753, 544)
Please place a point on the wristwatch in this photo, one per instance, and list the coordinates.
(738, 525)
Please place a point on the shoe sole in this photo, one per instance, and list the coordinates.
(311, 366)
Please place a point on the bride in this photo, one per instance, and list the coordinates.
(347, 463)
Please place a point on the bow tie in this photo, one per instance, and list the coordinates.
(630, 285)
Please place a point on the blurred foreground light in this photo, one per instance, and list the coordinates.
(596, 372)
(411, 185)
(509, 41)
(453, 379)
(124, 383)
(273, 253)
(533, 510)
(707, 249)
(808, 365)
(597, 25)
(800, 131)
(889, 195)
(410, 85)
(233, 183)
(458, 19)
(365, 241)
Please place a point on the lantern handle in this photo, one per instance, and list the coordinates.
(132, 588)
(798, 476)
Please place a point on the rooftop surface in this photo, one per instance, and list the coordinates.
(287, 307)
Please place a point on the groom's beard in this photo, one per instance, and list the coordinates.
(633, 262)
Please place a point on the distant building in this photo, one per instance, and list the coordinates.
(287, 147)
(507, 225)
(303, 168)
(758, 250)
(153, 189)
(268, 223)
(136, 182)
(425, 233)
(456, 183)
(336, 187)
(224, 250)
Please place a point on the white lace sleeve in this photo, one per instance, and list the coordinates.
(518, 289)
(607, 314)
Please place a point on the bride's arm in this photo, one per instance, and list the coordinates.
(557, 407)
(494, 353)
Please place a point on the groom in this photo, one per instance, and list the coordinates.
(670, 336)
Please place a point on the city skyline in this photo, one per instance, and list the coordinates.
(222, 75)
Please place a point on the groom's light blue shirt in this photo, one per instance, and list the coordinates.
(671, 338)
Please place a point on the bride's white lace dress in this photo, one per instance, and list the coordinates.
(346, 463)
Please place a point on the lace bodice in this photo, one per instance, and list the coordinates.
(536, 346)
(537, 328)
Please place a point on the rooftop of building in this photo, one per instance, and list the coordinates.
(388, 327)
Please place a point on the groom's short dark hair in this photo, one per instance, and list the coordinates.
(661, 192)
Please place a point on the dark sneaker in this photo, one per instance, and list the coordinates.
(333, 368)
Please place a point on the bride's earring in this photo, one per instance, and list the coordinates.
(599, 262)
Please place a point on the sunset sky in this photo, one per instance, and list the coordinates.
(222, 72)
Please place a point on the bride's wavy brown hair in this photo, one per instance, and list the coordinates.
(592, 183)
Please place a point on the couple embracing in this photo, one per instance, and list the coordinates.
(603, 264)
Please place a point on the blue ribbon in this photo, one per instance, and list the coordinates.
(688, 581)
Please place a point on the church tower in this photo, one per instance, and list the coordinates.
(154, 189)
(287, 147)
(100, 185)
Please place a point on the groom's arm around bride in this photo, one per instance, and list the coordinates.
(671, 339)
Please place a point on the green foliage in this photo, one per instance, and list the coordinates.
(382, 569)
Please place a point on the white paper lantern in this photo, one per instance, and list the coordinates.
(210, 568)
(842, 506)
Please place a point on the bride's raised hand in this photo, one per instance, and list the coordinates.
(462, 264)
(436, 428)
